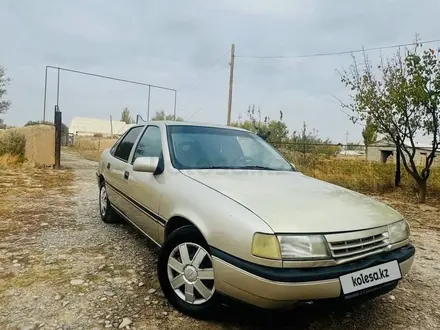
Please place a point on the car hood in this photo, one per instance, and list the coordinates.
(290, 202)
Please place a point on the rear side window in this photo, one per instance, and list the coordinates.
(124, 148)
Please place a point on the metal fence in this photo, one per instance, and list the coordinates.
(327, 149)
(67, 139)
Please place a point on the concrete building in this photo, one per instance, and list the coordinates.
(81, 126)
(384, 151)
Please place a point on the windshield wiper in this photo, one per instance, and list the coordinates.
(255, 167)
(246, 167)
(216, 167)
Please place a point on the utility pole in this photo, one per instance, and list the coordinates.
(231, 81)
(148, 108)
(346, 140)
(111, 127)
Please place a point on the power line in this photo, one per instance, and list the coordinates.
(206, 70)
(338, 53)
(194, 113)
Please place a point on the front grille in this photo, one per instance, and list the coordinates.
(350, 246)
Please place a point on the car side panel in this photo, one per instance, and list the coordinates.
(143, 190)
(114, 177)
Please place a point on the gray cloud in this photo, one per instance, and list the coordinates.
(176, 43)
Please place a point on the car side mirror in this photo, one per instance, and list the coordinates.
(145, 164)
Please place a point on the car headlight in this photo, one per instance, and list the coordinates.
(266, 246)
(303, 247)
(398, 231)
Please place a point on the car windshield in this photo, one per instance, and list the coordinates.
(201, 147)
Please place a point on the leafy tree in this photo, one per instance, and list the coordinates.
(402, 97)
(160, 115)
(369, 133)
(4, 104)
(308, 137)
(126, 116)
(270, 130)
(4, 81)
(307, 141)
(247, 124)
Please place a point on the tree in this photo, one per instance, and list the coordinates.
(402, 97)
(270, 130)
(309, 142)
(160, 115)
(126, 116)
(369, 133)
(2, 125)
(4, 81)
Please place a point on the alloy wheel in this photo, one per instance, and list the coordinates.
(103, 200)
(190, 273)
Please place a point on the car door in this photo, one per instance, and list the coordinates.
(116, 168)
(144, 189)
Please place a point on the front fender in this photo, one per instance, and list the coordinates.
(225, 224)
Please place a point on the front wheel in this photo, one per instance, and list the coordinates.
(186, 273)
(105, 209)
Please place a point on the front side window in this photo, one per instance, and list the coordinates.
(200, 147)
(124, 147)
(150, 143)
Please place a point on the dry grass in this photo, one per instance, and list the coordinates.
(12, 147)
(9, 160)
(91, 148)
(22, 189)
(353, 174)
(88, 154)
(369, 177)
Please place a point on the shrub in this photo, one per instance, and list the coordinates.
(40, 122)
(97, 135)
(64, 128)
(13, 143)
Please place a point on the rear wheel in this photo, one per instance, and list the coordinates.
(186, 273)
(108, 215)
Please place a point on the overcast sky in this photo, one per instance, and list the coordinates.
(185, 45)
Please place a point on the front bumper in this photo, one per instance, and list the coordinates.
(270, 287)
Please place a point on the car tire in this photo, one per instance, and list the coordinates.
(186, 274)
(108, 215)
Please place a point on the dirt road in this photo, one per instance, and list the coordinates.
(61, 267)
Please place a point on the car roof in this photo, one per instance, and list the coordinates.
(187, 123)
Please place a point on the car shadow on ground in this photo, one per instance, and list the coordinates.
(302, 316)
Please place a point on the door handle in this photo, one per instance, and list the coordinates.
(126, 175)
(108, 166)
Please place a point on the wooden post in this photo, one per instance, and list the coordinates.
(57, 122)
(398, 173)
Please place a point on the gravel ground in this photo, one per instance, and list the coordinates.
(69, 270)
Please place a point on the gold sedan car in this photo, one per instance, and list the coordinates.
(234, 218)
